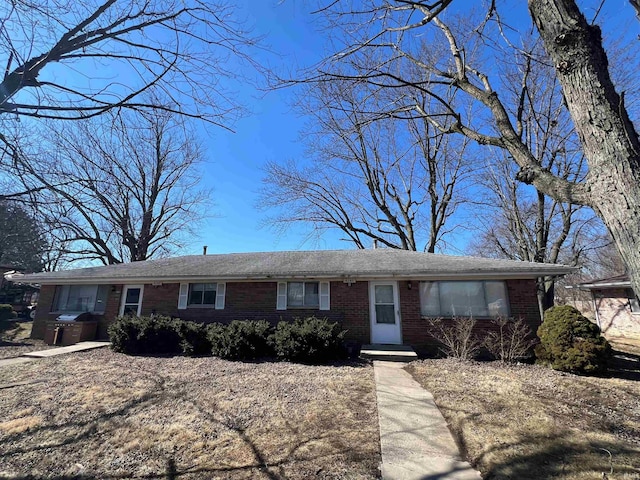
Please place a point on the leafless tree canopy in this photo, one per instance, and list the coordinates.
(385, 180)
(118, 188)
(80, 59)
(409, 38)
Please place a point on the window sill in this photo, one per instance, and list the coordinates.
(444, 317)
(210, 306)
(74, 313)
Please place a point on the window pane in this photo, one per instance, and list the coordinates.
(197, 287)
(82, 298)
(462, 299)
(311, 297)
(209, 297)
(497, 304)
(133, 295)
(429, 299)
(62, 294)
(209, 287)
(101, 299)
(295, 294)
(384, 294)
(385, 314)
(195, 297)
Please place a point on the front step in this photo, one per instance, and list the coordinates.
(388, 353)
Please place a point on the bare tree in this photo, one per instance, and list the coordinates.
(120, 188)
(74, 60)
(524, 223)
(385, 180)
(400, 30)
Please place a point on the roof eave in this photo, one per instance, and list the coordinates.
(489, 275)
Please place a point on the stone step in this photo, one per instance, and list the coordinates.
(388, 353)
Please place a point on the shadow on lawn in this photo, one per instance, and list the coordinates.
(625, 366)
(535, 457)
(259, 466)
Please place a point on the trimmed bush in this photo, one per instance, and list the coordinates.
(571, 343)
(146, 335)
(241, 340)
(6, 312)
(311, 340)
(195, 338)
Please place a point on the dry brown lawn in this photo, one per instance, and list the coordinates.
(15, 341)
(530, 422)
(103, 415)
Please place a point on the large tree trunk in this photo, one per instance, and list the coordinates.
(608, 137)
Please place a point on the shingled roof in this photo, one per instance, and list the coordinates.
(356, 264)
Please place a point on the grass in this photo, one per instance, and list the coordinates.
(15, 341)
(530, 422)
(104, 415)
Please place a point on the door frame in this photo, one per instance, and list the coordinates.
(123, 298)
(397, 334)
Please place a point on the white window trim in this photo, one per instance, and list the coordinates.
(123, 298)
(324, 296)
(183, 296)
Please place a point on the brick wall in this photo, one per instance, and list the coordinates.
(45, 306)
(416, 331)
(257, 301)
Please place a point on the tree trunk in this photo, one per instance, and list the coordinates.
(608, 137)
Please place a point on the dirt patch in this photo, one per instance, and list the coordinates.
(530, 422)
(105, 415)
(15, 341)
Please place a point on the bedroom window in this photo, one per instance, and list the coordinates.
(80, 298)
(312, 295)
(202, 294)
(464, 298)
(303, 294)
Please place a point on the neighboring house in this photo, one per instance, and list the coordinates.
(616, 307)
(379, 296)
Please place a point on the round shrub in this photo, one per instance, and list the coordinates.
(571, 343)
(241, 340)
(310, 340)
(7, 312)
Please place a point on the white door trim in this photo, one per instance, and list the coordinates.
(123, 298)
(385, 333)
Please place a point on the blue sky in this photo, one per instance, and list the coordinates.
(270, 131)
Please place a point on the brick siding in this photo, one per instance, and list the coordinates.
(257, 301)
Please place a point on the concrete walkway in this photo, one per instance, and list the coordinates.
(414, 439)
(27, 357)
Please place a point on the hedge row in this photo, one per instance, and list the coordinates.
(311, 340)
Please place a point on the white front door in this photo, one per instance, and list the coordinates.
(131, 300)
(385, 312)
